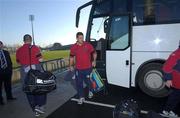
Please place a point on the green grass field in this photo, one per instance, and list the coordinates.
(48, 55)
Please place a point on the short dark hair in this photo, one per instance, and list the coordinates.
(27, 37)
(1, 42)
(78, 34)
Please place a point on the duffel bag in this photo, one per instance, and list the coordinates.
(38, 82)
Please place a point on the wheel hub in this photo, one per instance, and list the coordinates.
(153, 80)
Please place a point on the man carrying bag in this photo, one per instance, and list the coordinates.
(83, 55)
(27, 62)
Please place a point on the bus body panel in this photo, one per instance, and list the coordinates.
(140, 58)
(164, 37)
(152, 42)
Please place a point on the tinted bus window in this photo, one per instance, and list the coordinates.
(119, 32)
(102, 8)
(156, 11)
(138, 11)
(112, 6)
(167, 11)
(120, 6)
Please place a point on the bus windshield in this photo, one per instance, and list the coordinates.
(97, 28)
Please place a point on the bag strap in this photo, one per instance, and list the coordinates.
(30, 50)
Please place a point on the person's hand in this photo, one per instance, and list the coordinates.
(71, 68)
(41, 60)
(94, 64)
(169, 83)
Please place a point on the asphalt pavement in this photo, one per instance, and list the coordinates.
(115, 95)
(21, 109)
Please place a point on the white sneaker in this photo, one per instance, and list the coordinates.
(81, 100)
(37, 114)
(90, 95)
(166, 113)
(170, 114)
(40, 110)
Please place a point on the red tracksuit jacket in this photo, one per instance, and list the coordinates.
(172, 69)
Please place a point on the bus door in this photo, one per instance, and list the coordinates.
(118, 54)
(99, 41)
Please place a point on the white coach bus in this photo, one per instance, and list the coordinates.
(133, 38)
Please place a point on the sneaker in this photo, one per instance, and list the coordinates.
(37, 114)
(81, 100)
(90, 95)
(166, 113)
(40, 110)
(170, 114)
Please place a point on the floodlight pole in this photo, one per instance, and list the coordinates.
(31, 18)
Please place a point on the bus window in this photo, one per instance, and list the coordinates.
(102, 8)
(97, 30)
(144, 11)
(138, 11)
(112, 6)
(156, 11)
(120, 6)
(119, 33)
(167, 11)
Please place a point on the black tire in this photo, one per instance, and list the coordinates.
(151, 82)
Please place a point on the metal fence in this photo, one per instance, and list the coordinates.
(50, 65)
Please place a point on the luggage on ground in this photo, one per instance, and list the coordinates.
(126, 109)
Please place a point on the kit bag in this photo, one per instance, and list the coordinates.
(39, 81)
(97, 83)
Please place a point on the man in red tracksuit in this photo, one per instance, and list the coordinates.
(83, 55)
(172, 76)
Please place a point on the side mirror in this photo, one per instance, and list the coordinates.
(79, 11)
(77, 17)
(106, 25)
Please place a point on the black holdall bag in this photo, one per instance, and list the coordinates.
(126, 109)
(39, 81)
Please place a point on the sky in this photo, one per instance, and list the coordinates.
(54, 20)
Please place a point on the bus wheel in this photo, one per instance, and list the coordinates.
(151, 82)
